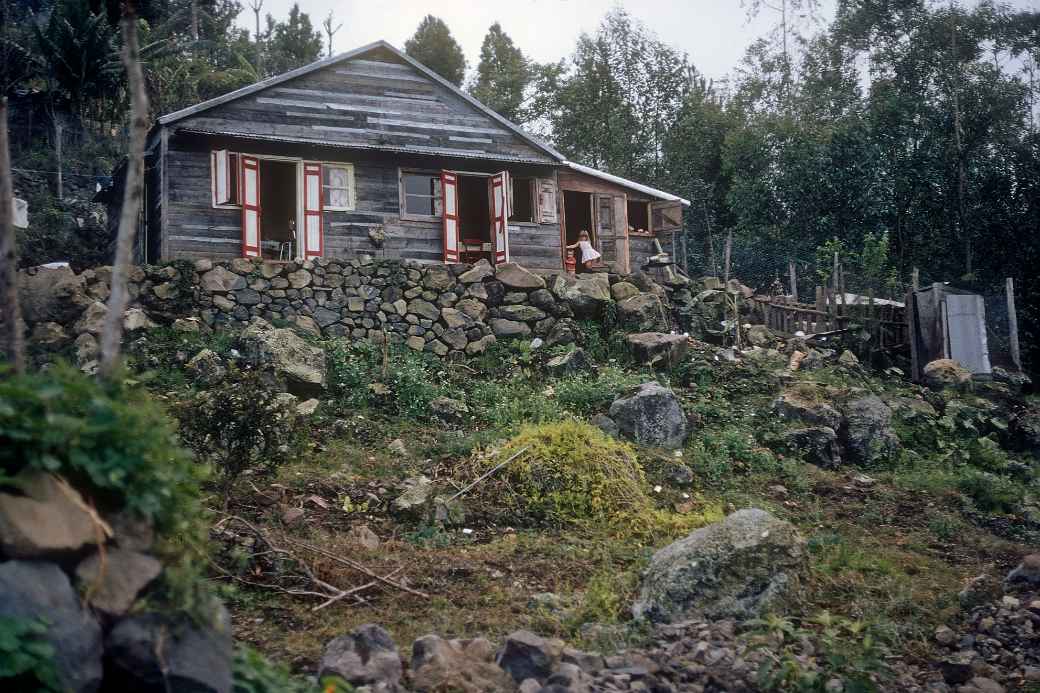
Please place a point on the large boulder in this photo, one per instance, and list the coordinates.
(300, 365)
(588, 295)
(113, 582)
(737, 568)
(367, 656)
(643, 313)
(516, 277)
(572, 362)
(867, 434)
(51, 294)
(49, 521)
(160, 652)
(465, 666)
(943, 373)
(41, 591)
(221, 280)
(658, 348)
(650, 415)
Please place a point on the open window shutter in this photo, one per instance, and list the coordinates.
(450, 199)
(250, 182)
(665, 216)
(221, 177)
(313, 234)
(546, 201)
(500, 185)
(606, 226)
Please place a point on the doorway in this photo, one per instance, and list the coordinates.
(577, 217)
(279, 239)
(475, 219)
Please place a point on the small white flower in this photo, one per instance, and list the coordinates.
(467, 530)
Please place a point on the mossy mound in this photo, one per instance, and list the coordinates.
(567, 473)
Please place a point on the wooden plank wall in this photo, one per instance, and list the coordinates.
(642, 247)
(374, 100)
(195, 229)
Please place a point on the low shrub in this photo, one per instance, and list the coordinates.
(718, 456)
(26, 658)
(240, 425)
(568, 473)
(254, 673)
(990, 492)
(588, 394)
(510, 403)
(109, 439)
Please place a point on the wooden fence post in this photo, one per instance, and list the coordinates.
(1016, 355)
(794, 280)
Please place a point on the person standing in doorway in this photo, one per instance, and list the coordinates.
(590, 257)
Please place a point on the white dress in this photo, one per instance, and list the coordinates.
(588, 252)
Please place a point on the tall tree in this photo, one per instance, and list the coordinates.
(10, 309)
(433, 45)
(294, 42)
(503, 75)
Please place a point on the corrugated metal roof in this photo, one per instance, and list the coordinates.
(588, 170)
(406, 149)
(333, 60)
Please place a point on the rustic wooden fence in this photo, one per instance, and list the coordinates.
(835, 313)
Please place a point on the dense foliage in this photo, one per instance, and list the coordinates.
(433, 46)
(64, 422)
(26, 658)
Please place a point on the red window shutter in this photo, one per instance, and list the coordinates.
(250, 182)
(450, 198)
(500, 215)
(313, 233)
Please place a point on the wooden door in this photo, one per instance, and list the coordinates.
(250, 182)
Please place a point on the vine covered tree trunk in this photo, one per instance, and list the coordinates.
(112, 335)
(12, 314)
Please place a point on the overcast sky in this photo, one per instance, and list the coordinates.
(714, 33)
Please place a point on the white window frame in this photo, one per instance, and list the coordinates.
(351, 187)
(403, 194)
(213, 177)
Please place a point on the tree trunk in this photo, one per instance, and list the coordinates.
(112, 334)
(9, 306)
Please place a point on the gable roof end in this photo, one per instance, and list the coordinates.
(624, 182)
(171, 118)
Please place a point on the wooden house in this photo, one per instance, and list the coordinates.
(370, 152)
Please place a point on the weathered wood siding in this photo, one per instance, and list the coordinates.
(374, 100)
(194, 229)
(642, 247)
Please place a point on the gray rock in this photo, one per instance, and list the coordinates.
(480, 346)
(643, 313)
(219, 279)
(562, 333)
(113, 585)
(41, 591)
(509, 329)
(472, 308)
(513, 276)
(424, 309)
(448, 410)
(480, 271)
(51, 295)
(133, 319)
(522, 313)
(605, 424)
(867, 434)
(49, 335)
(206, 368)
(525, 655)
(416, 492)
(367, 656)
(438, 278)
(155, 653)
(650, 415)
(760, 336)
(807, 406)
(681, 475)
(1027, 573)
(465, 666)
(48, 521)
(623, 290)
(944, 373)
(1024, 428)
(93, 319)
(736, 568)
(571, 362)
(87, 348)
(818, 445)
(300, 365)
(658, 348)
(542, 298)
(299, 278)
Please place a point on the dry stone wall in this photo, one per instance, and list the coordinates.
(448, 310)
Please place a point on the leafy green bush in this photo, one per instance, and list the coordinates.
(254, 673)
(25, 657)
(510, 403)
(718, 456)
(242, 424)
(989, 491)
(585, 394)
(156, 352)
(110, 440)
(399, 381)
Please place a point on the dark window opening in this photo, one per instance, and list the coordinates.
(475, 219)
(577, 210)
(523, 200)
(422, 194)
(278, 235)
(639, 217)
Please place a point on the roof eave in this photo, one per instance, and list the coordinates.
(624, 182)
